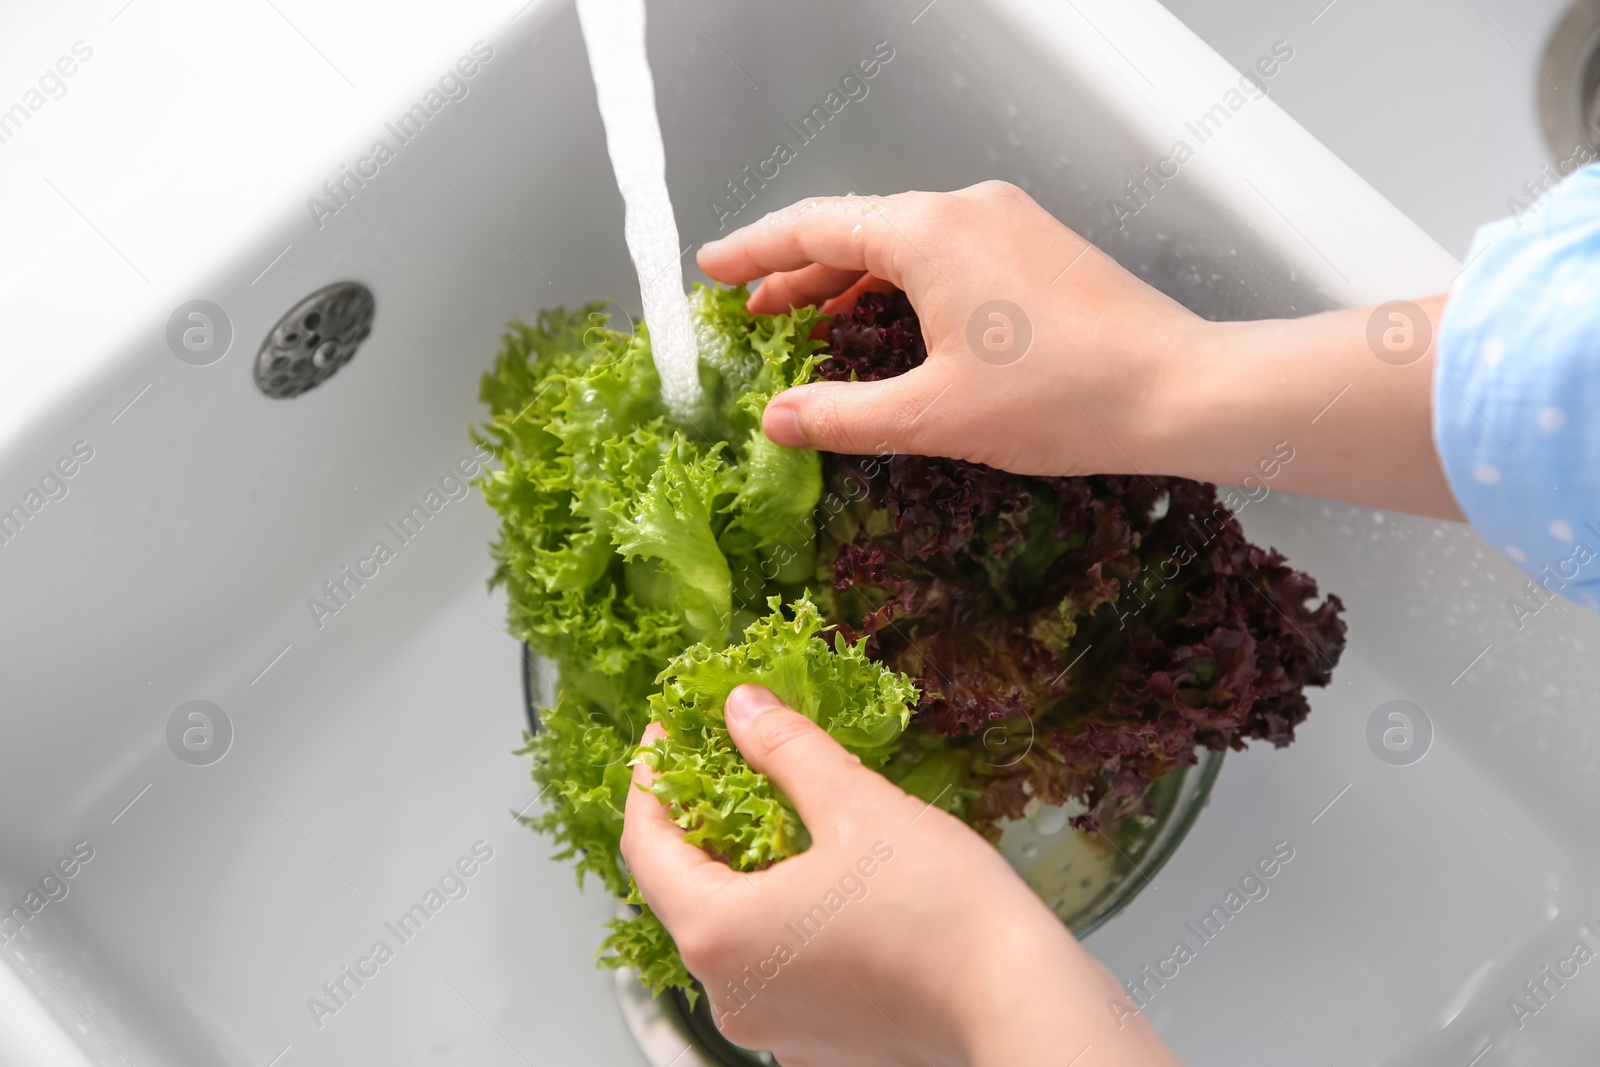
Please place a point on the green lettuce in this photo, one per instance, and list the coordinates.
(724, 806)
(626, 537)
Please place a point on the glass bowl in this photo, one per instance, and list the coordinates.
(1088, 876)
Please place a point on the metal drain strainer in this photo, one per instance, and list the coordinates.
(1569, 86)
(315, 338)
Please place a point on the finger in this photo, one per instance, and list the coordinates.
(798, 288)
(847, 299)
(672, 874)
(814, 771)
(858, 418)
(843, 232)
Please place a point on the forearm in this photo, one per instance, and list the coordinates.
(1360, 428)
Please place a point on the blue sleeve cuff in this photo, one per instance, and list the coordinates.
(1516, 392)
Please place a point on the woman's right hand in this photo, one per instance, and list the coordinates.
(899, 937)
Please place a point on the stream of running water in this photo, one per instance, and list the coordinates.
(613, 34)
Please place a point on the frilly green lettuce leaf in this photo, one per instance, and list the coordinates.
(580, 762)
(669, 521)
(642, 943)
(777, 496)
(722, 804)
(626, 537)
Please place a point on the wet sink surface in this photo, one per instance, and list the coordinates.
(1435, 102)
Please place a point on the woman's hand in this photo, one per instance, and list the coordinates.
(899, 937)
(1046, 357)
(1001, 382)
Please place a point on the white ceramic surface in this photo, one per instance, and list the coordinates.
(1435, 102)
(371, 754)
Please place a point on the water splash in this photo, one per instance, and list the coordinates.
(613, 34)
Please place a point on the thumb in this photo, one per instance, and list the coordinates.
(814, 771)
(855, 418)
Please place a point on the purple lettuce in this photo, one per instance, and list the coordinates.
(1073, 639)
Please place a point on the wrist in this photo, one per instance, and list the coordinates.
(1034, 991)
(1010, 1002)
(1238, 401)
(1055, 1002)
(1190, 390)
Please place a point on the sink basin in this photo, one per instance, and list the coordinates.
(1444, 117)
(351, 766)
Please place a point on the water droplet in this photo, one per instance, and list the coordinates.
(1049, 820)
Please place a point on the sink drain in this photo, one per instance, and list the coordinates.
(1569, 86)
(314, 339)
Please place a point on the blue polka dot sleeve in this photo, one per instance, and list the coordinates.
(1516, 393)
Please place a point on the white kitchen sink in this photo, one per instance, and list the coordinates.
(370, 749)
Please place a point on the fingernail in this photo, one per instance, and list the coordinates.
(747, 702)
(781, 423)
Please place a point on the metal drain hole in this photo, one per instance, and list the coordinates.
(314, 339)
(1569, 86)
